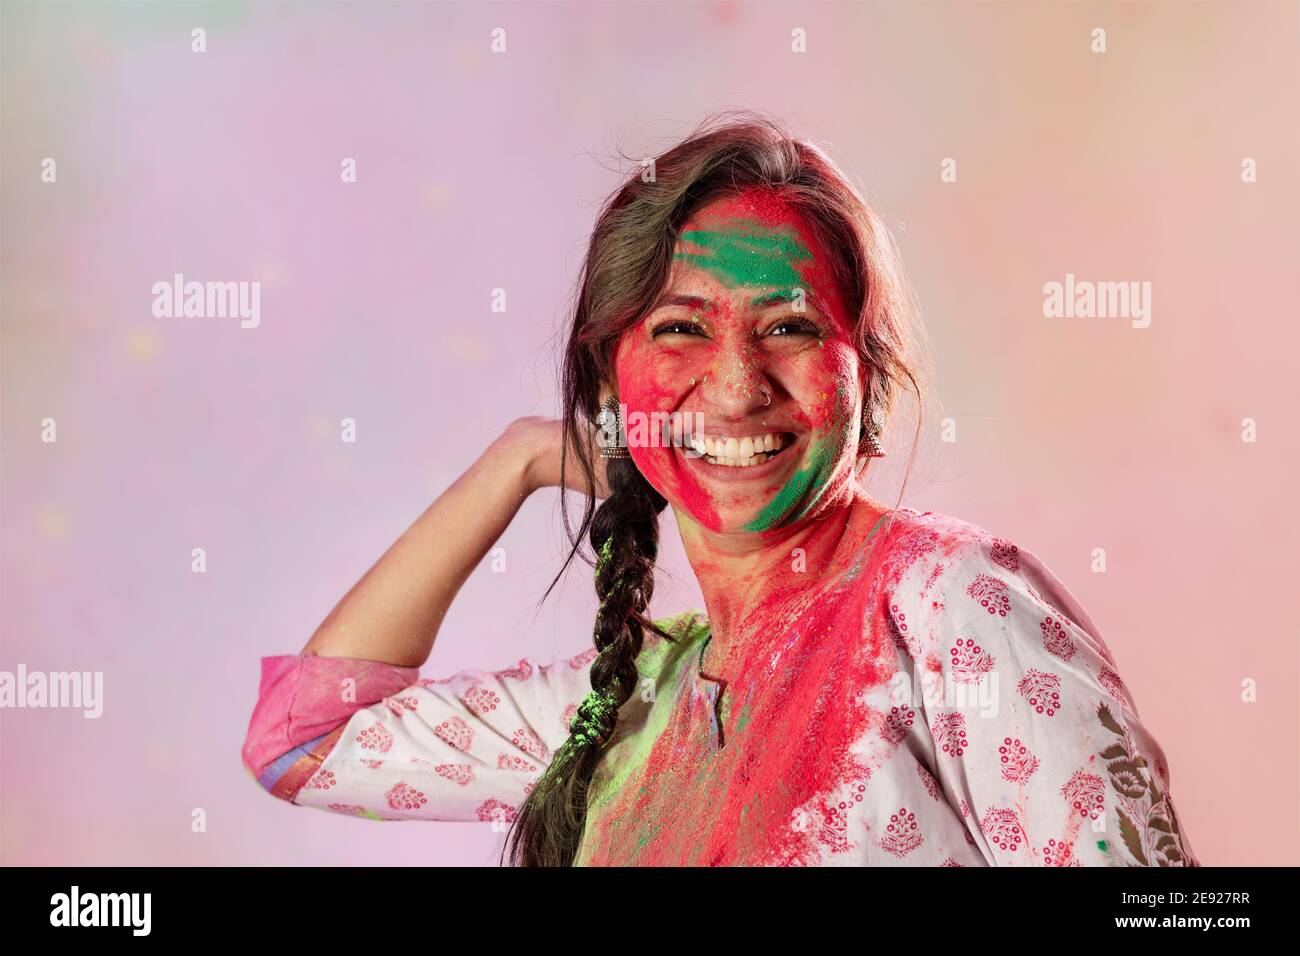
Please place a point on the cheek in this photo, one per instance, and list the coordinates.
(643, 395)
(657, 382)
(649, 380)
(829, 381)
(824, 390)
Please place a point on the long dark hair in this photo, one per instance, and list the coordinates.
(626, 267)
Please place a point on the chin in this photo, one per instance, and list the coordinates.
(738, 524)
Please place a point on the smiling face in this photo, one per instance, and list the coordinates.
(750, 339)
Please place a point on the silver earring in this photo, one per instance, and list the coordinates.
(871, 435)
(612, 438)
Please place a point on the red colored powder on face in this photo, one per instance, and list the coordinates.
(645, 383)
(818, 387)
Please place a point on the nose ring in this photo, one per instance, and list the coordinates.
(767, 392)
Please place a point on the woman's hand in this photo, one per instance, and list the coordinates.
(538, 441)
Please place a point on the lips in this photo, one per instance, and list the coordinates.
(774, 463)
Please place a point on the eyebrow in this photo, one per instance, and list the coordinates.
(766, 300)
(778, 296)
(691, 301)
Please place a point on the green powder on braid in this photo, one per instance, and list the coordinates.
(603, 556)
(601, 706)
(605, 553)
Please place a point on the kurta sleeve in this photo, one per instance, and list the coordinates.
(465, 747)
(1037, 742)
(302, 704)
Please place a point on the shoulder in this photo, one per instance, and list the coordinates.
(930, 544)
(944, 573)
(919, 541)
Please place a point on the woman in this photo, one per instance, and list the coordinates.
(869, 686)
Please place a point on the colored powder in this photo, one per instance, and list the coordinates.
(803, 489)
(732, 804)
(755, 258)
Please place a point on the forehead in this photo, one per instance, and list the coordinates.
(756, 246)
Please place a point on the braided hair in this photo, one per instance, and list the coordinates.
(625, 536)
(627, 265)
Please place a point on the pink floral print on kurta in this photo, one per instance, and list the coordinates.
(995, 731)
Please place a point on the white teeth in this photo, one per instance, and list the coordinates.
(739, 452)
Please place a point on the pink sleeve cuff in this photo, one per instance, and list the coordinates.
(302, 698)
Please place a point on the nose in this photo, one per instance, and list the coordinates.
(736, 386)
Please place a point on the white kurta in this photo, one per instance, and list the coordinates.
(947, 702)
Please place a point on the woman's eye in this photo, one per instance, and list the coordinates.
(795, 326)
(685, 328)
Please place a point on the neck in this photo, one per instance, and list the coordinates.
(749, 579)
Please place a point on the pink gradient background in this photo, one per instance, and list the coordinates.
(480, 171)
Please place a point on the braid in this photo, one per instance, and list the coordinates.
(625, 536)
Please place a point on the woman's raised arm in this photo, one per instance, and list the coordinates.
(369, 650)
(393, 613)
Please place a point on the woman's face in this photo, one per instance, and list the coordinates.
(749, 341)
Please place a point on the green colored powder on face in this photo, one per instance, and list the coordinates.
(752, 257)
(801, 491)
(806, 486)
(1103, 846)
